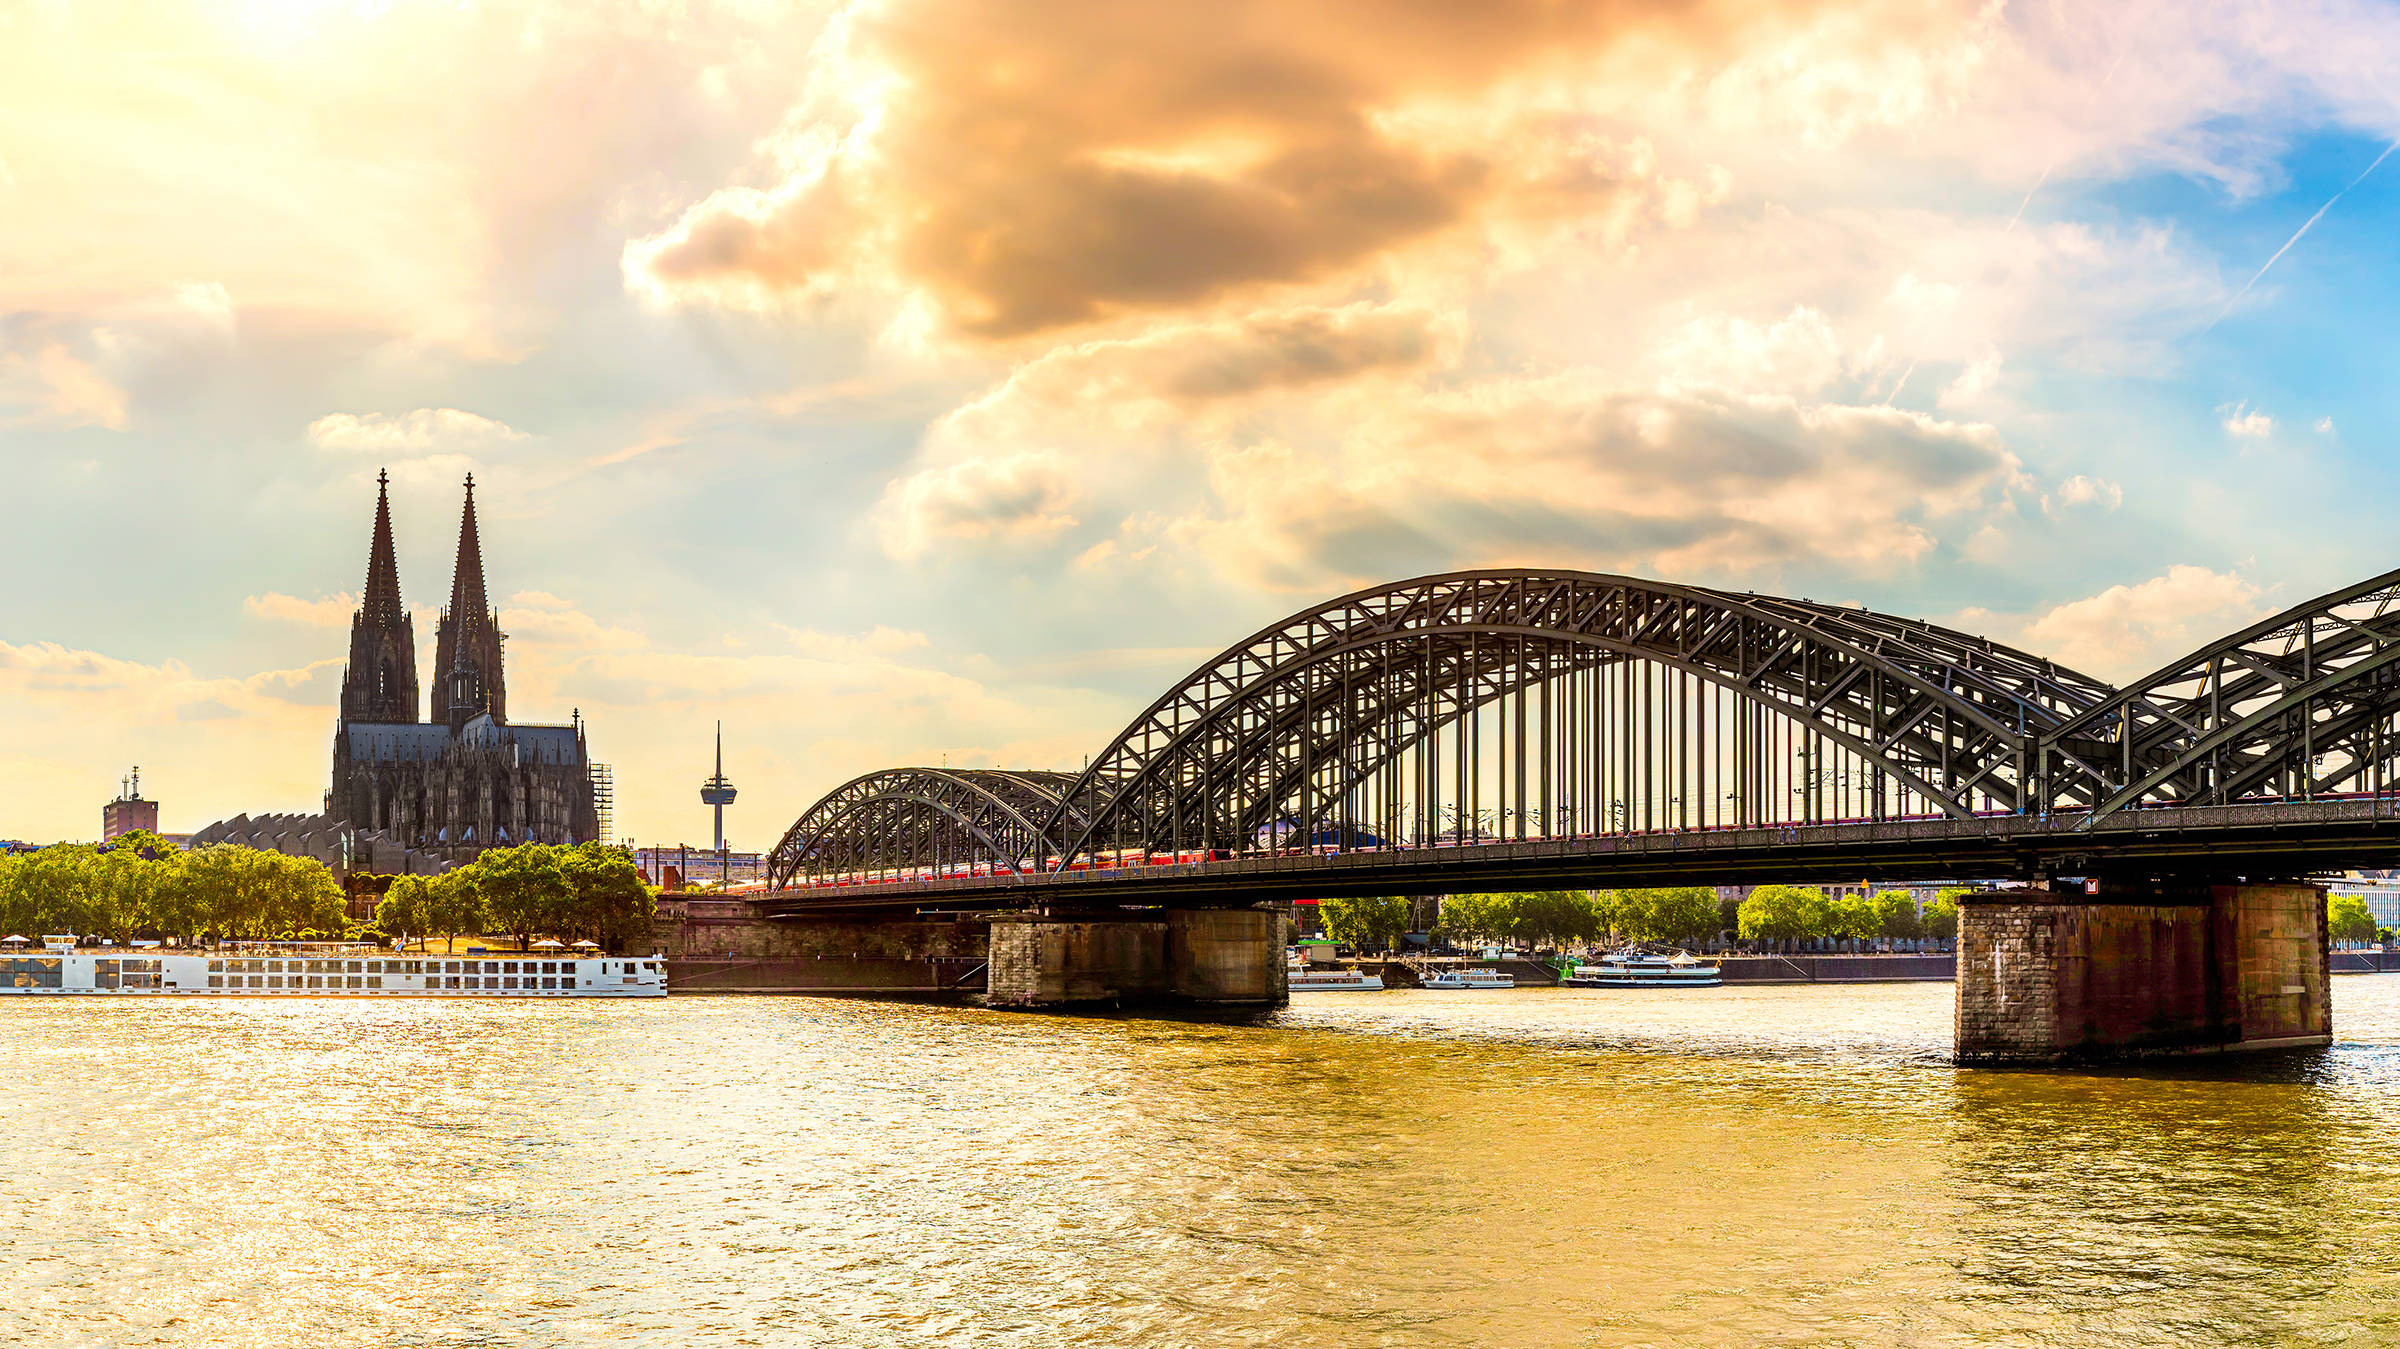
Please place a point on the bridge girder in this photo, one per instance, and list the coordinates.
(2296, 705)
(1363, 720)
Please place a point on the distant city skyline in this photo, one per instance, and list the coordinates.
(917, 381)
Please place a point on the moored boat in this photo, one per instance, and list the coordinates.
(1469, 978)
(1641, 967)
(67, 971)
(1333, 981)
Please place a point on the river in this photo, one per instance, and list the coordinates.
(1620, 1167)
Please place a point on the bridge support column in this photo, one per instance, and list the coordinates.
(1229, 956)
(2045, 977)
(1209, 957)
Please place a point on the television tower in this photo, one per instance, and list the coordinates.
(718, 790)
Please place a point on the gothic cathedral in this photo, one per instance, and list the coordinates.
(463, 779)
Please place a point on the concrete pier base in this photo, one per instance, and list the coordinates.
(2046, 977)
(1193, 957)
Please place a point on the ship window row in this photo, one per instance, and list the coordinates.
(476, 967)
(328, 982)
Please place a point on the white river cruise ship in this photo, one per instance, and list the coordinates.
(118, 970)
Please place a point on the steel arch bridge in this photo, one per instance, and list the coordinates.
(1462, 719)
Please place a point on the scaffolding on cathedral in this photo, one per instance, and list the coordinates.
(604, 800)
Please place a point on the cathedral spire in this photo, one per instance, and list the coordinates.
(469, 637)
(382, 603)
(466, 584)
(380, 683)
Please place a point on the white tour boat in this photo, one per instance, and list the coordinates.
(1635, 967)
(66, 970)
(1470, 978)
(1300, 978)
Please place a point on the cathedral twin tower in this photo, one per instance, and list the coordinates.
(462, 779)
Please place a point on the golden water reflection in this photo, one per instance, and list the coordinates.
(1737, 1166)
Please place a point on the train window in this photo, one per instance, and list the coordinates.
(374, 981)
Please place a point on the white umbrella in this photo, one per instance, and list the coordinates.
(545, 944)
(587, 946)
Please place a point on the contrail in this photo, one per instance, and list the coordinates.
(2058, 155)
(2287, 244)
(1896, 388)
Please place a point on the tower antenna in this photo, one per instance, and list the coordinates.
(718, 791)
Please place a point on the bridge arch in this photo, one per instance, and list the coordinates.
(907, 818)
(1617, 704)
(2298, 705)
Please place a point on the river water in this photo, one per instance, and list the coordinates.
(1728, 1167)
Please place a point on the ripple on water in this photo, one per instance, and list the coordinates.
(1734, 1166)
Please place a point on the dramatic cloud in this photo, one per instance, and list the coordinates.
(1029, 167)
(2126, 631)
(1023, 496)
(871, 363)
(1680, 483)
(410, 432)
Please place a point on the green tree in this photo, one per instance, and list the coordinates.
(142, 888)
(1941, 916)
(2347, 919)
(405, 909)
(522, 889)
(1678, 913)
(1556, 917)
(1786, 913)
(455, 906)
(61, 890)
(1896, 915)
(302, 897)
(1854, 916)
(1364, 924)
(611, 905)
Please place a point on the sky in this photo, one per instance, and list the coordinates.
(938, 381)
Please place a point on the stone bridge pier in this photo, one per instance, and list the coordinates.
(2049, 977)
(1155, 957)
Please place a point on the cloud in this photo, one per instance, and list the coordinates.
(76, 717)
(1797, 354)
(1012, 497)
(1566, 470)
(51, 384)
(2126, 631)
(1025, 170)
(325, 611)
(2099, 493)
(2324, 426)
(415, 432)
(2241, 421)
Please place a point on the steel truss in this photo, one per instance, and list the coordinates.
(1515, 705)
(1499, 704)
(2296, 707)
(921, 817)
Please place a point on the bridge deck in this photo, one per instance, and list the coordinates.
(2255, 839)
